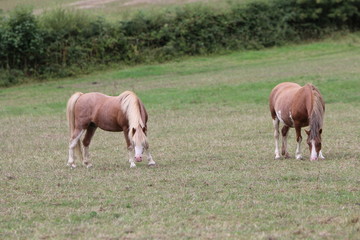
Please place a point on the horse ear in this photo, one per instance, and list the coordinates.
(320, 131)
(307, 132)
(133, 131)
(144, 130)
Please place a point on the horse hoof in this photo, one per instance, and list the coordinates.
(151, 164)
(277, 158)
(88, 165)
(132, 165)
(71, 165)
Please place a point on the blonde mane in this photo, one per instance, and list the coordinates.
(130, 105)
(317, 113)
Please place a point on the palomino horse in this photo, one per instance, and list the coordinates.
(86, 112)
(297, 107)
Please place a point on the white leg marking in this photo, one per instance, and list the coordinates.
(150, 159)
(131, 157)
(276, 136)
(313, 155)
(70, 162)
(72, 145)
(321, 156)
(298, 150)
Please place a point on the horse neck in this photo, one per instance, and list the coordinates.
(134, 118)
(131, 106)
(317, 113)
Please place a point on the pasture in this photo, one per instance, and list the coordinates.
(211, 134)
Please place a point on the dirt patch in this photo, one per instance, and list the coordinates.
(88, 4)
(85, 4)
(136, 2)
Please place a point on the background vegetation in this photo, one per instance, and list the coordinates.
(62, 42)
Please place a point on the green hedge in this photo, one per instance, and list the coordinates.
(63, 43)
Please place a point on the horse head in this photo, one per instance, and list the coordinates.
(139, 141)
(314, 142)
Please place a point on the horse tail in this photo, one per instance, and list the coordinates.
(70, 111)
(70, 115)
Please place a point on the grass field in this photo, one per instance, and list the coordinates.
(211, 134)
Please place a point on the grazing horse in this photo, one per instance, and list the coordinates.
(297, 107)
(126, 112)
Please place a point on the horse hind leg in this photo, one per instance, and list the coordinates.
(284, 133)
(86, 142)
(75, 145)
(276, 123)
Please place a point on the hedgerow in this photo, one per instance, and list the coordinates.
(62, 42)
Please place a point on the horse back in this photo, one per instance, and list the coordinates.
(302, 105)
(102, 110)
(289, 104)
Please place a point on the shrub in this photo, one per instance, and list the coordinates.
(63, 42)
(10, 77)
(21, 42)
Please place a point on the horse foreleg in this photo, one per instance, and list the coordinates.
(149, 157)
(298, 145)
(321, 156)
(131, 157)
(130, 149)
(86, 142)
(74, 143)
(284, 132)
(276, 137)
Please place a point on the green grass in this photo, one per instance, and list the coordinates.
(211, 134)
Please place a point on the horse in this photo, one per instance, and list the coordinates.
(297, 107)
(126, 112)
